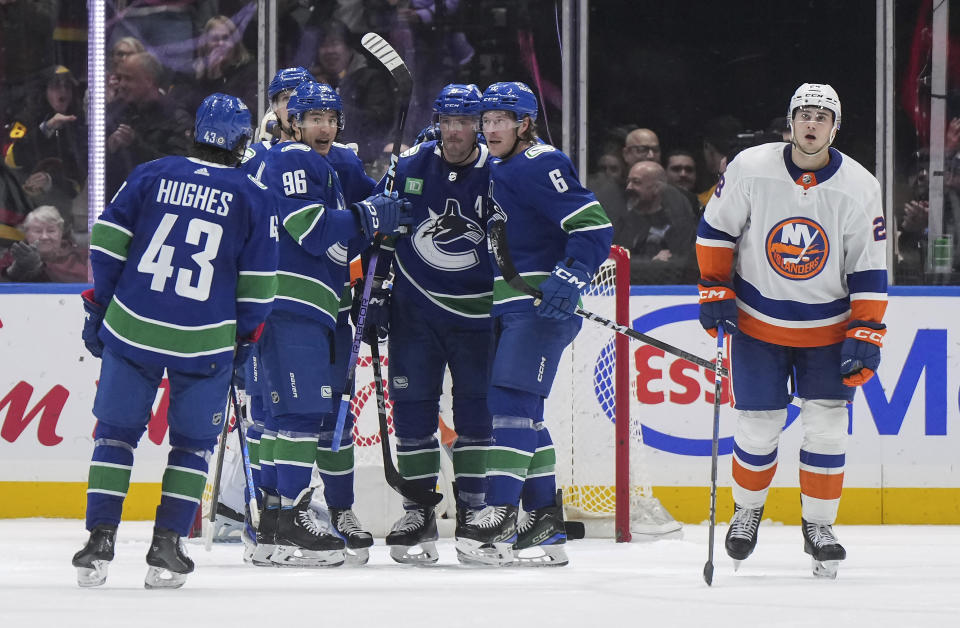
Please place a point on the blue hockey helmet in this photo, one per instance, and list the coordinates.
(223, 122)
(457, 99)
(313, 96)
(288, 78)
(512, 96)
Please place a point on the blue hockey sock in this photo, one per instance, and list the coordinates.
(294, 456)
(514, 444)
(336, 467)
(183, 481)
(418, 460)
(109, 477)
(541, 486)
(470, 469)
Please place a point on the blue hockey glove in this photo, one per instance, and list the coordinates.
(718, 305)
(860, 353)
(561, 290)
(92, 320)
(428, 133)
(377, 324)
(383, 214)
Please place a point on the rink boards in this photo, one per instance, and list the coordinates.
(902, 461)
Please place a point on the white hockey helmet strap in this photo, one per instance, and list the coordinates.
(816, 95)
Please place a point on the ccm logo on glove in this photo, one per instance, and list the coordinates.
(569, 277)
(714, 295)
(868, 335)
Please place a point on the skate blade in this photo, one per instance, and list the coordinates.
(541, 556)
(736, 565)
(163, 578)
(475, 553)
(357, 557)
(826, 568)
(262, 554)
(423, 554)
(93, 577)
(292, 556)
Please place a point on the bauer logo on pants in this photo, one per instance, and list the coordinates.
(797, 248)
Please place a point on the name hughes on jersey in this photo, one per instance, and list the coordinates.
(194, 195)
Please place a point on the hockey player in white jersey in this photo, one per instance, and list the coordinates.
(805, 300)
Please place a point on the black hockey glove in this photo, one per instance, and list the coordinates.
(718, 305)
(92, 320)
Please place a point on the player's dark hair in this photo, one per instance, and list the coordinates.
(214, 155)
(530, 135)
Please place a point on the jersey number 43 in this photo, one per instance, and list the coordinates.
(157, 259)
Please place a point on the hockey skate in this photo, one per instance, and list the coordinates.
(825, 550)
(541, 537)
(228, 525)
(742, 534)
(266, 541)
(489, 539)
(412, 539)
(346, 525)
(302, 541)
(168, 560)
(92, 561)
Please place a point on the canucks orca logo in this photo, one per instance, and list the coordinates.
(448, 241)
(797, 248)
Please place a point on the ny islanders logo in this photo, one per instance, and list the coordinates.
(448, 241)
(797, 248)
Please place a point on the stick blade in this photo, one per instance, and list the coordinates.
(385, 54)
(708, 573)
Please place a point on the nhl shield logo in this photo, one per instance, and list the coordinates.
(798, 248)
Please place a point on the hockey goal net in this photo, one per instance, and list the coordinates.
(599, 442)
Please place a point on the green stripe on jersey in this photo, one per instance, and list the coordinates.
(309, 291)
(301, 452)
(471, 461)
(300, 222)
(544, 461)
(590, 216)
(254, 286)
(111, 238)
(166, 338)
(502, 291)
(183, 483)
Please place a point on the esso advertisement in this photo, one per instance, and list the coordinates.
(903, 429)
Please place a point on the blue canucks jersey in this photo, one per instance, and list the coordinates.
(443, 266)
(184, 257)
(316, 229)
(253, 158)
(356, 184)
(550, 217)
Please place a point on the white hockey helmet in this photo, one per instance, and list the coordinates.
(816, 95)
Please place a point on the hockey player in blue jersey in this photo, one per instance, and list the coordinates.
(298, 350)
(184, 263)
(558, 235)
(438, 316)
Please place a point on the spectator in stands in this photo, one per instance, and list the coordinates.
(658, 230)
(779, 126)
(681, 169)
(143, 124)
(718, 136)
(122, 48)
(223, 64)
(51, 157)
(641, 145)
(166, 28)
(26, 51)
(610, 167)
(14, 207)
(45, 254)
(367, 94)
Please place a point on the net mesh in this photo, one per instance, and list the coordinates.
(581, 414)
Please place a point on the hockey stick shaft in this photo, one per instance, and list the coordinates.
(355, 349)
(247, 471)
(385, 54)
(410, 490)
(501, 253)
(217, 471)
(714, 450)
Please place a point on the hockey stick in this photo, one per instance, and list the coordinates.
(410, 490)
(218, 469)
(715, 446)
(247, 472)
(385, 54)
(498, 241)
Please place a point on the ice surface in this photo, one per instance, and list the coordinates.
(896, 576)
